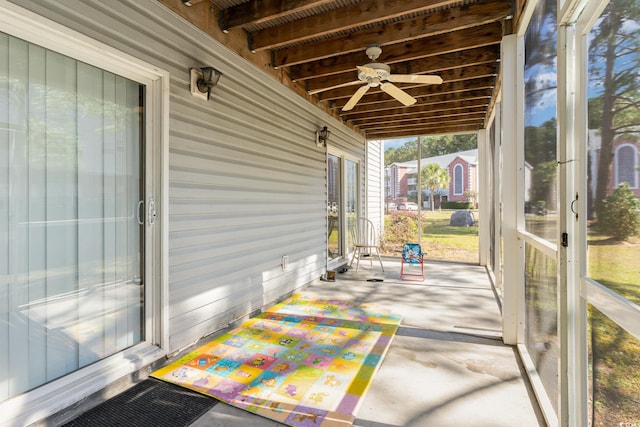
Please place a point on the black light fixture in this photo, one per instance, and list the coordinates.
(322, 136)
(203, 80)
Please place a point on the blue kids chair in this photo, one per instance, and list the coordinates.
(412, 254)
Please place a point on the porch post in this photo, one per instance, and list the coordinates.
(483, 198)
(512, 61)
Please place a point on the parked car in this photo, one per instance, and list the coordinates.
(391, 207)
(408, 206)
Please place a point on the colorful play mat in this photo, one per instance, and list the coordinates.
(304, 362)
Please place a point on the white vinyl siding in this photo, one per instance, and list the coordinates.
(375, 184)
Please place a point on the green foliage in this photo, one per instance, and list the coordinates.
(543, 182)
(408, 152)
(433, 177)
(399, 228)
(619, 214)
(457, 205)
(439, 239)
(439, 145)
(431, 146)
(540, 143)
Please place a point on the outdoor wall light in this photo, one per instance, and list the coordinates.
(203, 80)
(322, 136)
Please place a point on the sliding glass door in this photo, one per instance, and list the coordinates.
(71, 233)
(335, 245)
(343, 205)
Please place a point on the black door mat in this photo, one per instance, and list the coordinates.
(152, 403)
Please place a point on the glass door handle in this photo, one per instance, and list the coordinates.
(140, 220)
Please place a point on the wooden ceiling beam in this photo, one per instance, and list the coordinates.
(484, 35)
(467, 119)
(431, 65)
(442, 130)
(392, 104)
(441, 22)
(421, 109)
(342, 19)
(260, 11)
(428, 125)
(438, 115)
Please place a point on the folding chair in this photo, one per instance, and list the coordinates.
(412, 254)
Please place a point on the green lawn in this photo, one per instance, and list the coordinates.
(615, 354)
(439, 240)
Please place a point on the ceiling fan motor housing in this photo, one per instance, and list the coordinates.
(382, 70)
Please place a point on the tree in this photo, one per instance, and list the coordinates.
(405, 153)
(431, 146)
(439, 145)
(613, 65)
(540, 154)
(433, 177)
(471, 196)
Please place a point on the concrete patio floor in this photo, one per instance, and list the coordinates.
(447, 365)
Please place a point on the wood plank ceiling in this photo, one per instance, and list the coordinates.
(319, 43)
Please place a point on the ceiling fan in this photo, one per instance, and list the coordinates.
(377, 74)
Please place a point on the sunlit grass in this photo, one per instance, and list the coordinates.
(615, 265)
(439, 240)
(615, 353)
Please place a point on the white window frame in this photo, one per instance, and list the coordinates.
(513, 226)
(583, 14)
(576, 290)
(456, 167)
(45, 400)
(635, 165)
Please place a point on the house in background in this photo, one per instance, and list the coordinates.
(401, 178)
(624, 168)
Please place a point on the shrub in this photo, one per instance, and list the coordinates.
(457, 205)
(399, 228)
(619, 214)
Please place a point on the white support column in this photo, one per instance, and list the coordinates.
(512, 61)
(571, 170)
(497, 197)
(483, 197)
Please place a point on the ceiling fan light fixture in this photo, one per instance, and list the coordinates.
(377, 74)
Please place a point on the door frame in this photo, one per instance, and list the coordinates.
(342, 155)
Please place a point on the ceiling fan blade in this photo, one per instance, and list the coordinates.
(369, 72)
(414, 78)
(355, 98)
(355, 82)
(398, 94)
